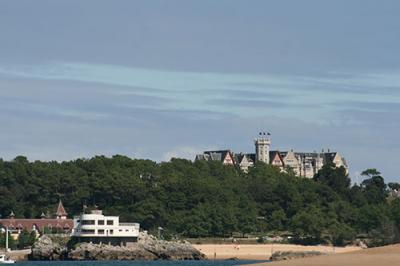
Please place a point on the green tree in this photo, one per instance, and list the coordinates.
(308, 223)
(341, 234)
(374, 186)
(24, 239)
(11, 242)
(278, 220)
(336, 178)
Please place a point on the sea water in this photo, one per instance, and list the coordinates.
(138, 263)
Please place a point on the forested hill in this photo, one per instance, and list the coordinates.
(206, 198)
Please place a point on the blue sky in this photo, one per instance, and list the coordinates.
(155, 79)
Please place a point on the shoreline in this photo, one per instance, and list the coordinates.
(382, 256)
(254, 252)
(261, 252)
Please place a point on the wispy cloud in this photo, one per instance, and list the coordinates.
(238, 94)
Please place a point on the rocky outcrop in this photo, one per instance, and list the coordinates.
(147, 248)
(87, 251)
(289, 255)
(171, 250)
(47, 248)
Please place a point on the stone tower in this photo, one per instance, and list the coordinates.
(262, 147)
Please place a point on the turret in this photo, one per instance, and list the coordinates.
(61, 213)
(262, 143)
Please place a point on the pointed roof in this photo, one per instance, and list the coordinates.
(218, 155)
(273, 154)
(60, 210)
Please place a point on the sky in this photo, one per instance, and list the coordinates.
(157, 79)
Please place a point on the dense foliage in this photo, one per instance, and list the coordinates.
(199, 199)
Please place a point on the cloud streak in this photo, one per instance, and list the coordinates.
(238, 94)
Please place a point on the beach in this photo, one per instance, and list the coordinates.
(382, 256)
(261, 251)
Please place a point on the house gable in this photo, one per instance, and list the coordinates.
(276, 159)
(228, 158)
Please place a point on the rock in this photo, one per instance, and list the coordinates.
(362, 244)
(169, 250)
(47, 249)
(148, 247)
(288, 255)
(87, 251)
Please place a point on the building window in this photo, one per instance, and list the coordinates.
(100, 222)
(100, 231)
(85, 231)
(120, 230)
(111, 232)
(87, 222)
(110, 222)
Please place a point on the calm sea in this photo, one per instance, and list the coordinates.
(136, 263)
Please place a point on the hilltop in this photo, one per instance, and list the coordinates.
(208, 199)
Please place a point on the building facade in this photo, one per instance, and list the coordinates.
(304, 164)
(97, 228)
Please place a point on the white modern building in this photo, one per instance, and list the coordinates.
(100, 229)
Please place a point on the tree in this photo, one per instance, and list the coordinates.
(32, 237)
(278, 220)
(341, 234)
(374, 186)
(308, 223)
(246, 216)
(334, 177)
(24, 239)
(369, 218)
(11, 242)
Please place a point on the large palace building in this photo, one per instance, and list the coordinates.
(304, 164)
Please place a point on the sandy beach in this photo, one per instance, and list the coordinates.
(382, 256)
(261, 251)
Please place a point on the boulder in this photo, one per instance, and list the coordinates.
(47, 249)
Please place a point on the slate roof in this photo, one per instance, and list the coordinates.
(329, 156)
(239, 157)
(216, 155)
(251, 156)
(272, 155)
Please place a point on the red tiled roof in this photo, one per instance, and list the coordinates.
(60, 210)
(28, 224)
